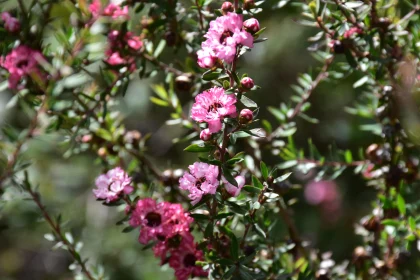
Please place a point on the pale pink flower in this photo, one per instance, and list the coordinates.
(201, 180)
(112, 184)
(252, 25)
(183, 261)
(158, 220)
(205, 134)
(20, 62)
(212, 106)
(11, 24)
(225, 34)
(233, 190)
(318, 192)
(206, 58)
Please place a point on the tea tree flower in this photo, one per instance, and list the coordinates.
(11, 24)
(233, 190)
(112, 184)
(200, 180)
(212, 106)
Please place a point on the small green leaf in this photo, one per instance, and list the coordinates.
(228, 176)
(401, 204)
(248, 102)
(287, 164)
(390, 222)
(198, 148)
(264, 170)
(257, 183)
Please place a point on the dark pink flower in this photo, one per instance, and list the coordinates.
(351, 31)
(176, 240)
(95, 8)
(158, 220)
(252, 25)
(225, 34)
(133, 42)
(245, 116)
(20, 62)
(247, 83)
(205, 135)
(11, 24)
(116, 11)
(112, 184)
(212, 106)
(115, 59)
(201, 180)
(183, 261)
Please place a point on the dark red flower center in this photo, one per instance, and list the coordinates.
(189, 260)
(226, 34)
(174, 241)
(153, 219)
(199, 182)
(214, 107)
(22, 64)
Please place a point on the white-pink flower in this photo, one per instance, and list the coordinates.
(223, 37)
(212, 106)
(112, 184)
(206, 58)
(201, 180)
(231, 189)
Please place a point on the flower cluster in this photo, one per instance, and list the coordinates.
(112, 185)
(168, 225)
(202, 179)
(111, 10)
(11, 24)
(225, 34)
(115, 53)
(21, 62)
(212, 106)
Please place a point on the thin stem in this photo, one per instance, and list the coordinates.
(200, 15)
(332, 163)
(350, 17)
(57, 229)
(163, 66)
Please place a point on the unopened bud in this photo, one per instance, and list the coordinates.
(227, 7)
(247, 83)
(245, 116)
(205, 135)
(102, 152)
(252, 25)
(248, 4)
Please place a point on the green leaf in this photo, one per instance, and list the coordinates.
(259, 230)
(348, 156)
(208, 232)
(251, 189)
(210, 75)
(412, 223)
(287, 164)
(401, 204)
(159, 102)
(200, 217)
(128, 229)
(198, 148)
(264, 170)
(257, 183)
(248, 102)
(228, 176)
(160, 91)
(390, 222)
(159, 48)
(223, 215)
(283, 177)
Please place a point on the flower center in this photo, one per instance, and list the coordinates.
(214, 107)
(174, 241)
(22, 63)
(199, 182)
(153, 219)
(226, 34)
(189, 260)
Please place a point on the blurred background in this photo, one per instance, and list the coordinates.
(66, 184)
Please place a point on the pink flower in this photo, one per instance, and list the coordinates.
(225, 34)
(11, 24)
(231, 189)
(95, 8)
(201, 180)
(183, 261)
(112, 184)
(247, 83)
(321, 192)
(20, 62)
(245, 116)
(116, 11)
(176, 240)
(211, 106)
(351, 31)
(158, 220)
(206, 58)
(133, 42)
(115, 59)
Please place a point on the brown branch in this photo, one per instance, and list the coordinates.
(200, 15)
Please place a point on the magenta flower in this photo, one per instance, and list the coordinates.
(233, 190)
(116, 11)
(212, 106)
(158, 220)
(20, 62)
(95, 8)
(201, 180)
(112, 184)
(133, 42)
(224, 35)
(176, 240)
(11, 24)
(183, 261)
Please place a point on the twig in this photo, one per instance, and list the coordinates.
(332, 163)
(200, 15)
(163, 66)
(57, 229)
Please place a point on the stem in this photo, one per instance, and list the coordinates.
(57, 229)
(163, 66)
(200, 15)
(236, 4)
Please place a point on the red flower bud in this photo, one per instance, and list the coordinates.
(245, 116)
(205, 135)
(227, 7)
(252, 25)
(247, 83)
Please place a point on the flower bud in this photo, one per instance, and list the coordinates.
(183, 83)
(227, 7)
(205, 135)
(248, 4)
(247, 83)
(245, 116)
(252, 25)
